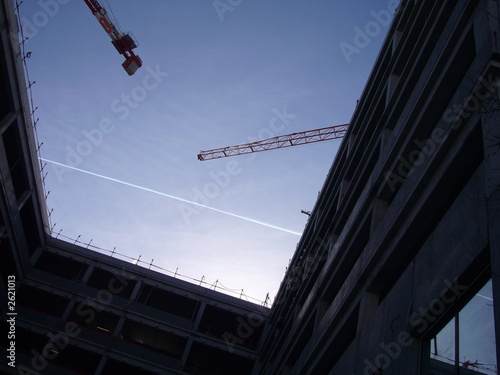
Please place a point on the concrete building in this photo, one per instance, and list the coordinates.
(398, 267)
(77, 311)
(397, 271)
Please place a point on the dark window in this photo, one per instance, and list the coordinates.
(343, 338)
(61, 266)
(40, 300)
(90, 317)
(15, 159)
(232, 328)
(75, 359)
(114, 283)
(167, 301)
(300, 343)
(153, 338)
(31, 227)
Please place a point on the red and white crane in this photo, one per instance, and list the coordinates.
(281, 141)
(123, 43)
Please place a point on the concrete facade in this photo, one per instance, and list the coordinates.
(404, 234)
(397, 270)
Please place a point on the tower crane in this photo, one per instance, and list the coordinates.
(124, 43)
(281, 141)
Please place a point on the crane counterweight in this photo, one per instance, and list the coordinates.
(124, 43)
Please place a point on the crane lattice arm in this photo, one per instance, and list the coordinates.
(282, 141)
(124, 43)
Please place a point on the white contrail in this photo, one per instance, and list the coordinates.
(488, 298)
(173, 197)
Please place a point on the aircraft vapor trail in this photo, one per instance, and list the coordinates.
(172, 197)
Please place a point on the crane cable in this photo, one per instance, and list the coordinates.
(112, 16)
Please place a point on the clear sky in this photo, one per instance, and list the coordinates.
(216, 73)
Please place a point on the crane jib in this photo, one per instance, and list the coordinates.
(281, 141)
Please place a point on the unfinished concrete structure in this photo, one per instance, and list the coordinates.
(81, 312)
(397, 269)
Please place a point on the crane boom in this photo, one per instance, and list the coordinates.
(124, 43)
(281, 141)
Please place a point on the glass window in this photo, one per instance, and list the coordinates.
(443, 345)
(466, 345)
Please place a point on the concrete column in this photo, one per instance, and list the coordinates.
(344, 185)
(101, 365)
(333, 245)
(352, 142)
(89, 271)
(7, 121)
(135, 292)
(491, 139)
(197, 320)
(185, 355)
(34, 258)
(392, 82)
(119, 326)
(320, 312)
(384, 140)
(68, 309)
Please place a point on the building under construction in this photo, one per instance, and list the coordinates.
(397, 271)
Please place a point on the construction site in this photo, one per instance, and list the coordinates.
(396, 272)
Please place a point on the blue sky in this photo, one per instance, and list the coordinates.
(210, 79)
